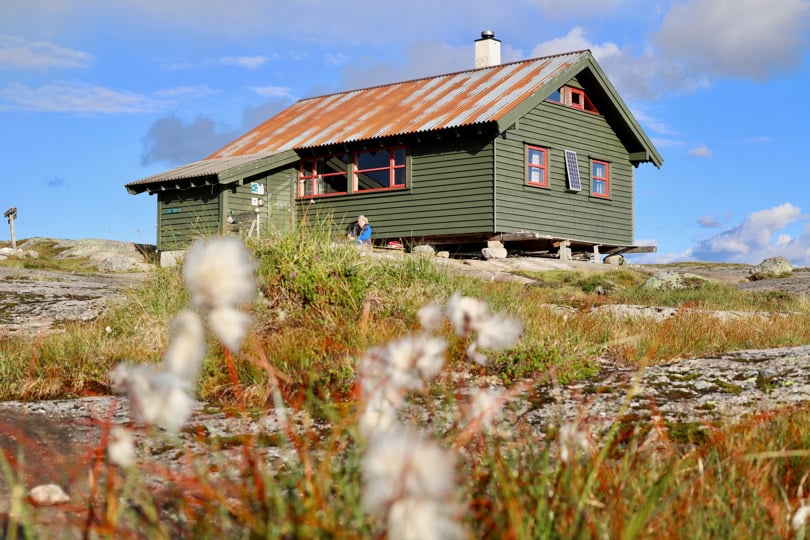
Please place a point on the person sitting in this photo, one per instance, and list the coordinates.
(361, 231)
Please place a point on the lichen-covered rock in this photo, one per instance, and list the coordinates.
(494, 253)
(671, 281)
(423, 249)
(773, 267)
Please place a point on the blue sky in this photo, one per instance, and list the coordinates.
(94, 94)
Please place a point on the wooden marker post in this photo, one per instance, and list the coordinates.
(11, 213)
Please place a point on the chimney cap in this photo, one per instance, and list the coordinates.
(487, 34)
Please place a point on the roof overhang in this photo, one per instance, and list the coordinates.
(205, 172)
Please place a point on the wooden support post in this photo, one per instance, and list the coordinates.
(564, 253)
(596, 253)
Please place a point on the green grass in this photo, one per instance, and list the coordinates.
(323, 305)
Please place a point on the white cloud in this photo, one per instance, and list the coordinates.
(652, 123)
(247, 62)
(578, 8)
(272, 91)
(73, 97)
(751, 39)
(708, 221)
(186, 92)
(761, 235)
(757, 140)
(666, 143)
(632, 75)
(335, 59)
(702, 151)
(16, 52)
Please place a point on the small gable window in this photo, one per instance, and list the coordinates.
(575, 98)
(382, 168)
(600, 179)
(536, 166)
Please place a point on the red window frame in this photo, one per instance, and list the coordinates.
(308, 172)
(576, 98)
(532, 167)
(392, 167)
(597, 180)
(577, 102)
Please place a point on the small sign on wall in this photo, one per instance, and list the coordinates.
(254, 201)
(256, 189)
(171, 211)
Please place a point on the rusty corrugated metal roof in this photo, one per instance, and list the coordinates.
(444, 101)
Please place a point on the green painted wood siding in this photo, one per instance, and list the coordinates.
(450, 191)
(186, 215)
(276, 212)
(555, 211)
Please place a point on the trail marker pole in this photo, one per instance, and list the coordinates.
(11, 213)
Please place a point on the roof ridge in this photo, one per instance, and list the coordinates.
(448, 74)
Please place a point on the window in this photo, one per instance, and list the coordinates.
(573, 97)
(323, 176)
(600, 179)
(537, 166)
(379, 169)
(577, 98)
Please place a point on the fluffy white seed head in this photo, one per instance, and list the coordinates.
(155, 397)
(800, 517)
(403, 464)
(498, 332)
(403, 364)
(380, 412)
(424, 519)
(430, 317)
(229, 325)
(465, 313)
(186, 350)
(219, 272)
(121, 448)
(485, 408)
(572, 442)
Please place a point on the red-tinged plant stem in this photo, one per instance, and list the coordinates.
(237, 388)
(95, 472)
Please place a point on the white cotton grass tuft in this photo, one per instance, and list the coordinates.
(380, 411)
(121, 448)
(573, 442)
(420, 519)
(485, 408)
(403, 364)
(471, 317)
(219, 272)
(155, 397)
(800, 517)
(403, 464)
(498, 332)
(465, 313)
(186, 350)
(430, 317)
(229, 325)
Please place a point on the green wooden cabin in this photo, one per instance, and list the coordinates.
(534, 154)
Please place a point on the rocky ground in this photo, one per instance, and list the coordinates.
(59, 437)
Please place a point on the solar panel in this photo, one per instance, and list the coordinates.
(572, 168)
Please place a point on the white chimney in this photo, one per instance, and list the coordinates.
(487, 50)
